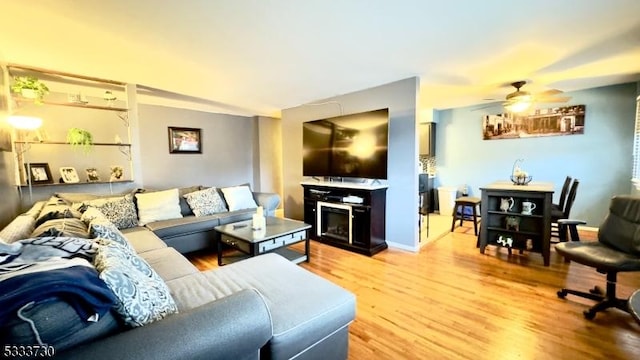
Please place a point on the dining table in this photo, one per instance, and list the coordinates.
(517, 217)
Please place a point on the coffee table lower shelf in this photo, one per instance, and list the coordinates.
(232, 255)
(278, 237)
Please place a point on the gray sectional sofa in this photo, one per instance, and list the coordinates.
(262, 307)
(191, 233)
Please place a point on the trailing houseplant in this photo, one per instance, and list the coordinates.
(80, 139)
(30, 87)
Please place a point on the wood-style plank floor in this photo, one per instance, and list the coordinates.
(450, 302)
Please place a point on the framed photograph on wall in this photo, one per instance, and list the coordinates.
(69, 175)
(185, 140)
(38, 173)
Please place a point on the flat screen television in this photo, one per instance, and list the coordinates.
(352, 146)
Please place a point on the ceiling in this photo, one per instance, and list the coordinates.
(257, 57)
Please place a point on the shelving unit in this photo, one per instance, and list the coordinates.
(61, 85)
(533, 231)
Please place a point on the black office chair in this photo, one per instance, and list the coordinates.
(563, 195)
(559, 230)
(617, 250)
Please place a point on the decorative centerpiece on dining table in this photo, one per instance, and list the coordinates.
(518, 175)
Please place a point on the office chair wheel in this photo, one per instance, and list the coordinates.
(589, 315)
(562, 294)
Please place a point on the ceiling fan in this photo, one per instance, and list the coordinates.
(520, 100)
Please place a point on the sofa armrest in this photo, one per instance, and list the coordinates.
(269, 201)
(234, 327)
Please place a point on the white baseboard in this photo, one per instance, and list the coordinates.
(403, 247)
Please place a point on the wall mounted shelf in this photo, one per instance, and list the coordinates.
(78, 183)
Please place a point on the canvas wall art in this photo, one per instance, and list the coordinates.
(566, 120)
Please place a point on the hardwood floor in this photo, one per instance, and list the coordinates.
(450, 302)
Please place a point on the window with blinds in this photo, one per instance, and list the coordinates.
(636, 146)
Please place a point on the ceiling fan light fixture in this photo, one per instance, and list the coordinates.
(518, 106)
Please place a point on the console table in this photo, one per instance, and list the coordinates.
(346, 215)
(532, 232)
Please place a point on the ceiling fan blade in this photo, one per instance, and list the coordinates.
(549, 92)
(483, 107)
(554, 99)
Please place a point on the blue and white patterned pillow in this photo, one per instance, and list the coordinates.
(106, 230)
(101, 228)
(142, 295)
(205, 202)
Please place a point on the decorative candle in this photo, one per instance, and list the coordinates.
(255, 225)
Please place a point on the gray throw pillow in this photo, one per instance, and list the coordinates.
(205, 202)
(185, 209)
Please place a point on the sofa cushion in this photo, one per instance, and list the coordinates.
(142, 295)
(239, 197)
(169, 263)
(35, 210)
(58, 324)
(205, 202)
(158, 205)
(72, 198)
(142, 239)
(119, 210)
(304, 307)
(69, 227)
(192, 224)
(19, 228)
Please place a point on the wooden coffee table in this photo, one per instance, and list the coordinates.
(276, 237)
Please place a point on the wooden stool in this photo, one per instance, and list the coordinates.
(462, 203)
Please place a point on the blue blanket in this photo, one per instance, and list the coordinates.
(32, 270)
(79, 286)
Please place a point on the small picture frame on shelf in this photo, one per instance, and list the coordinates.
(68, 175)
(117, 173)
(92, 175)
(185, 140)
(38, 173)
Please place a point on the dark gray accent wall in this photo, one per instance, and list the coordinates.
(400, 98)
(227, 148)
(601, 158)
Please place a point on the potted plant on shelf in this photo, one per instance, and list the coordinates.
(80, 138)
(30, 87)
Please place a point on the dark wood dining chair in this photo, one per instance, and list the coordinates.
(563, 194)
(559, 230)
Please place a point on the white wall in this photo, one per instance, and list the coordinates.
(402, 200)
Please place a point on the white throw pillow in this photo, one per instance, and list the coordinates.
(158, 205)
(239, 197)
